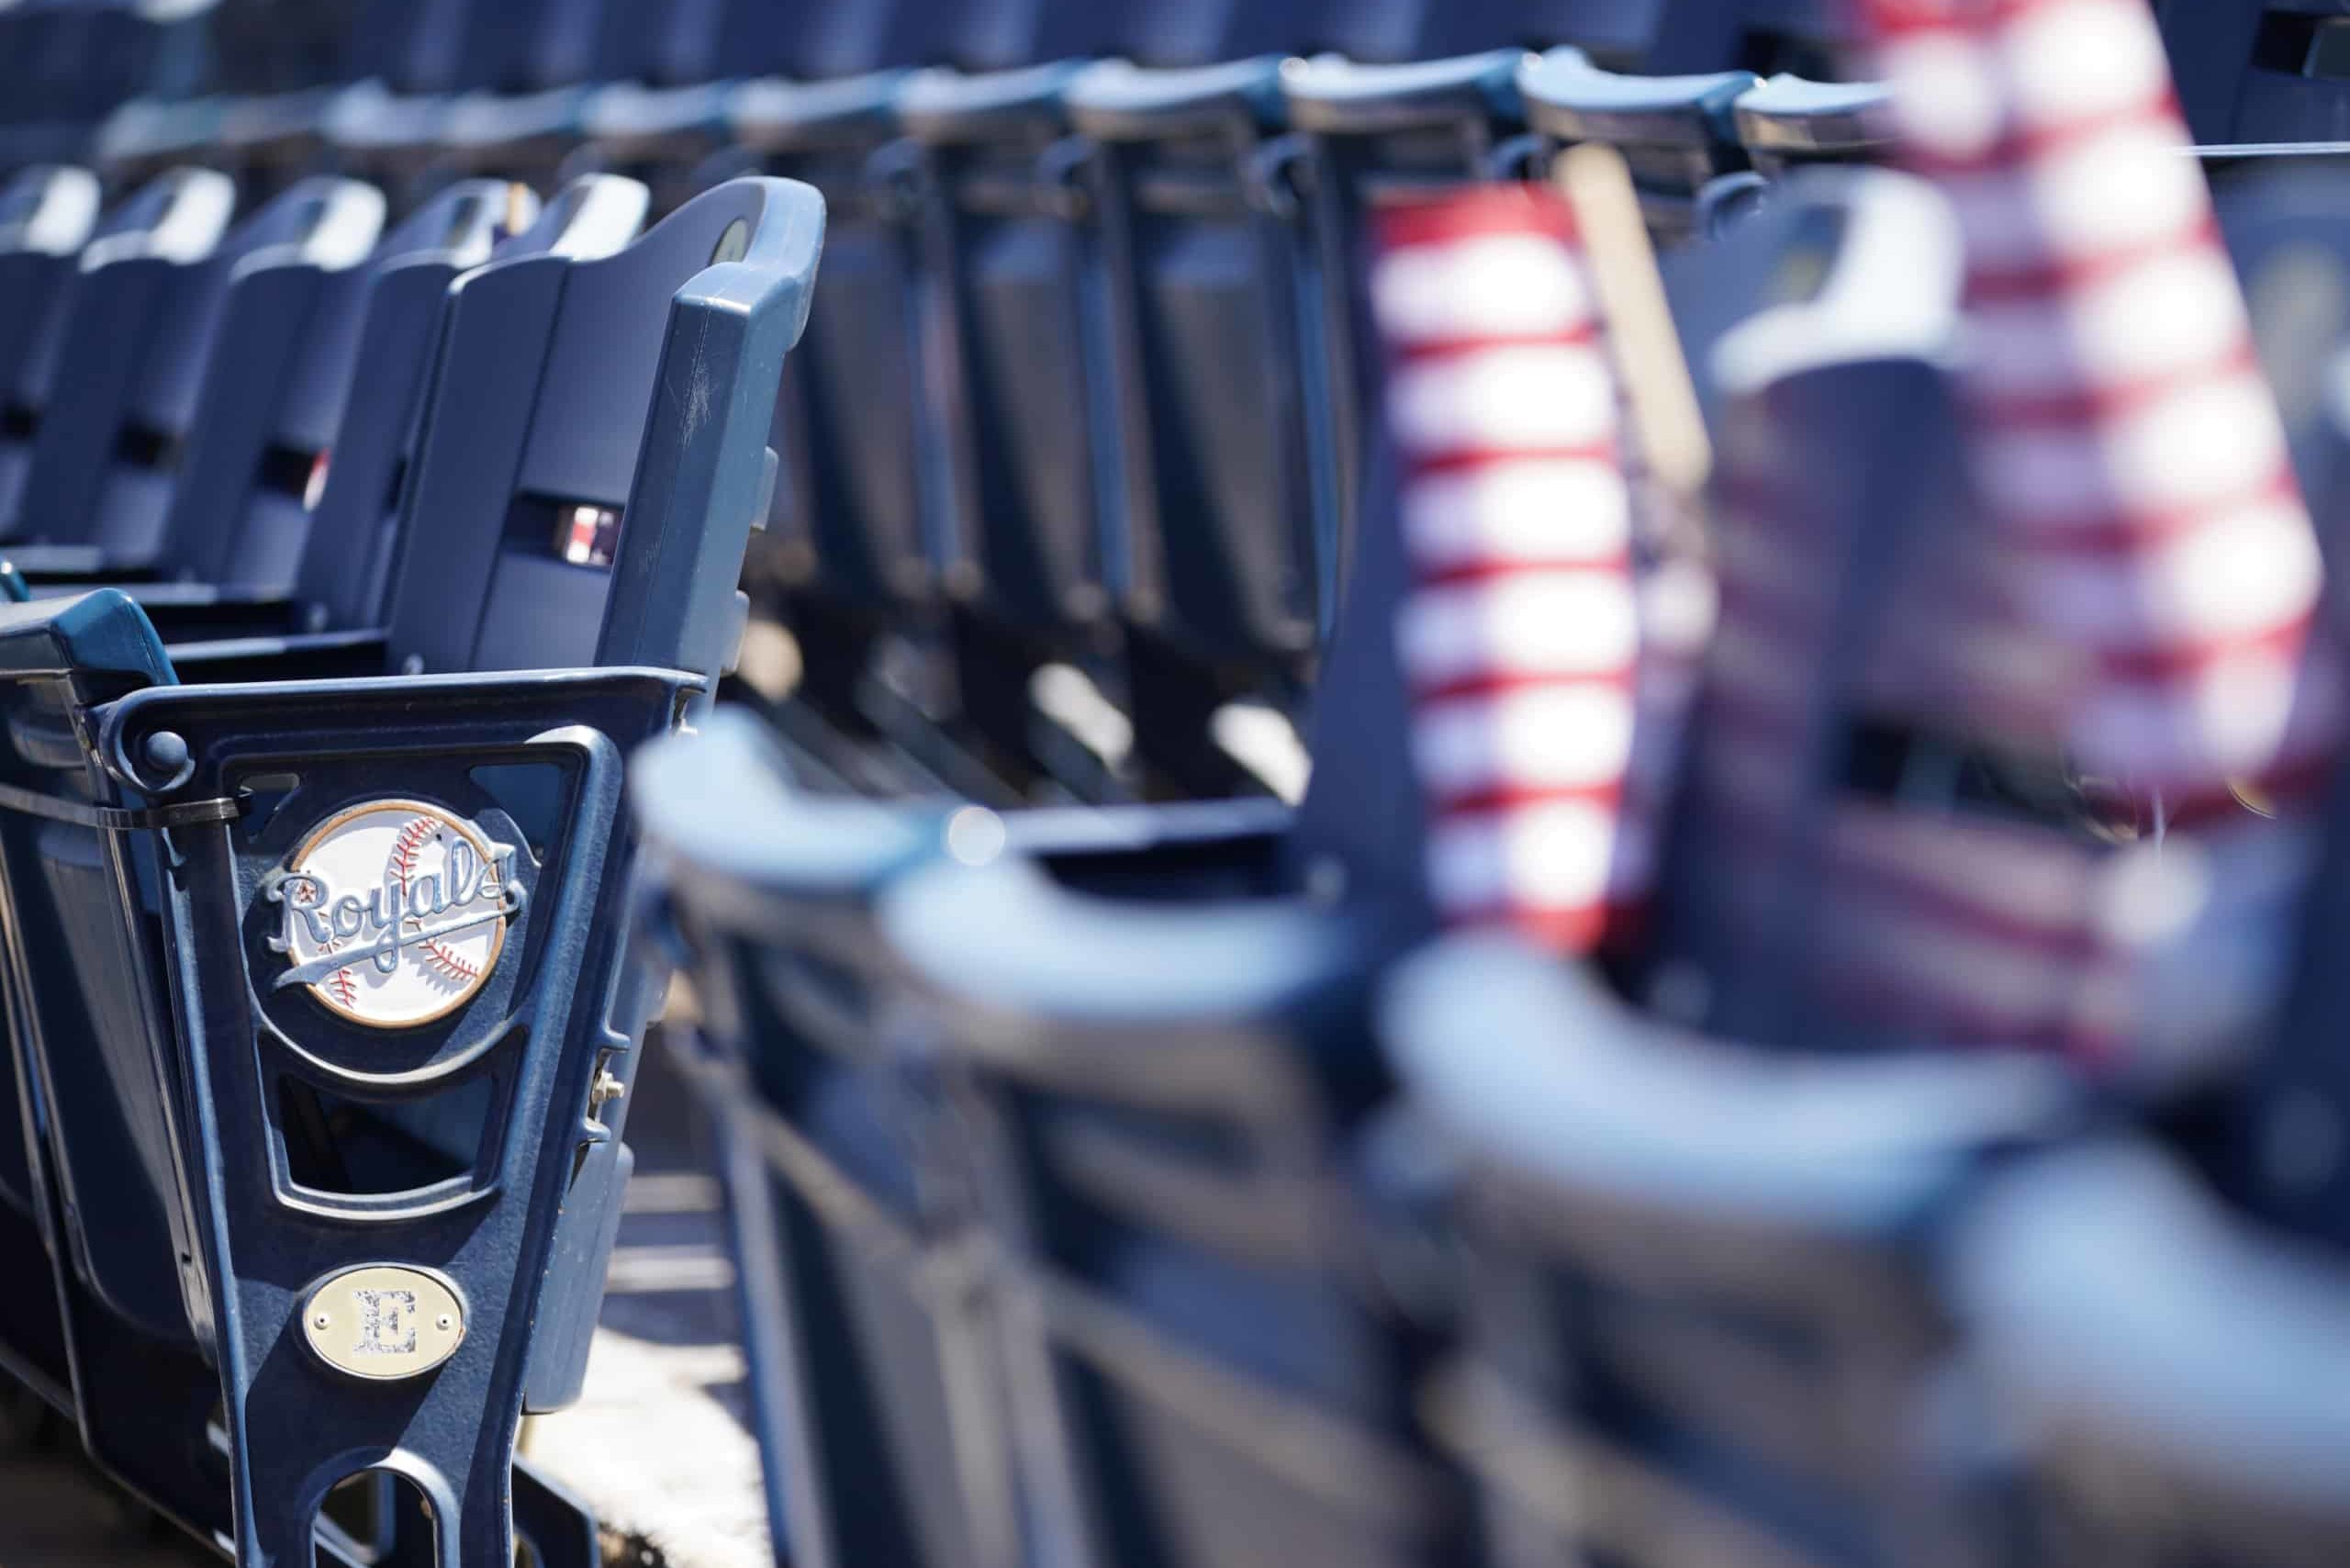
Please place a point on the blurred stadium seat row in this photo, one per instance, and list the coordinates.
(1309, 937)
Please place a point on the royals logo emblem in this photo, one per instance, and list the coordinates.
(395, 913)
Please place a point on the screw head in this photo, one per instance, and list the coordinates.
(444, 1323)
(321, 1321)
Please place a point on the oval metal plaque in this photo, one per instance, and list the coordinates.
(384, 1322)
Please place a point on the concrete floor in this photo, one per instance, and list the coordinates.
(660, 1446)
(55, 1512)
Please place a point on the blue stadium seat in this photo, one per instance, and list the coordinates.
(1699, 1297)
(1675, 131)
(770, 897)
(1370, 128)
(1167, 1095)
(139, 332)
(2170, 1375)
(251, 1146)
(1216, 553)
(1788, 120)
(2253, 72)
(1014, 395)
(261, 539)
(865, 528)
(269, 397)
(166, 230)
(77, 1356)
(873, 1368)
(2288, 230)
(413, 65)
(1854, 296)
(46, 215)
(872, 1338)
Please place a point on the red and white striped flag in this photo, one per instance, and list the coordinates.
(1521, 636)
(2141, 600)
(2154, 575)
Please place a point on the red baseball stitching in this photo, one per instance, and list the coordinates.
(345, 988)
(405, 849)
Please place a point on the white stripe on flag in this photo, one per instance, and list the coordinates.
(1493, 285)
(1552, 621)
(1554, 738)
(1522, 396)
(1529, 510)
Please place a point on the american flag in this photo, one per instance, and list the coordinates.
(1522, 636)
(2150, 575)
(2138, 597)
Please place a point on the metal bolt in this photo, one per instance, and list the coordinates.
(444, 1323)
(165, 752)
(607, 1088)
(321, 1321)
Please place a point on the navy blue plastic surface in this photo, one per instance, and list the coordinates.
(699, 384)
(874, 1373)
(133, 350)
(184, 212)
(1675, 131)
(1214, 549)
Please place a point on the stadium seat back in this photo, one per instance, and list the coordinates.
(265, 424)
(1001, 259)
(2256, 74)
(181, 215)
(1648, 1304)
(1215, 548)
(1372, 131)
(1674, 132)
(872, 1366)
(1161, 1143)
(139, 337)
(515, 516)
(344, 570)
(47, 214)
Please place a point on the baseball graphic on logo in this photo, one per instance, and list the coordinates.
(395, 913)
